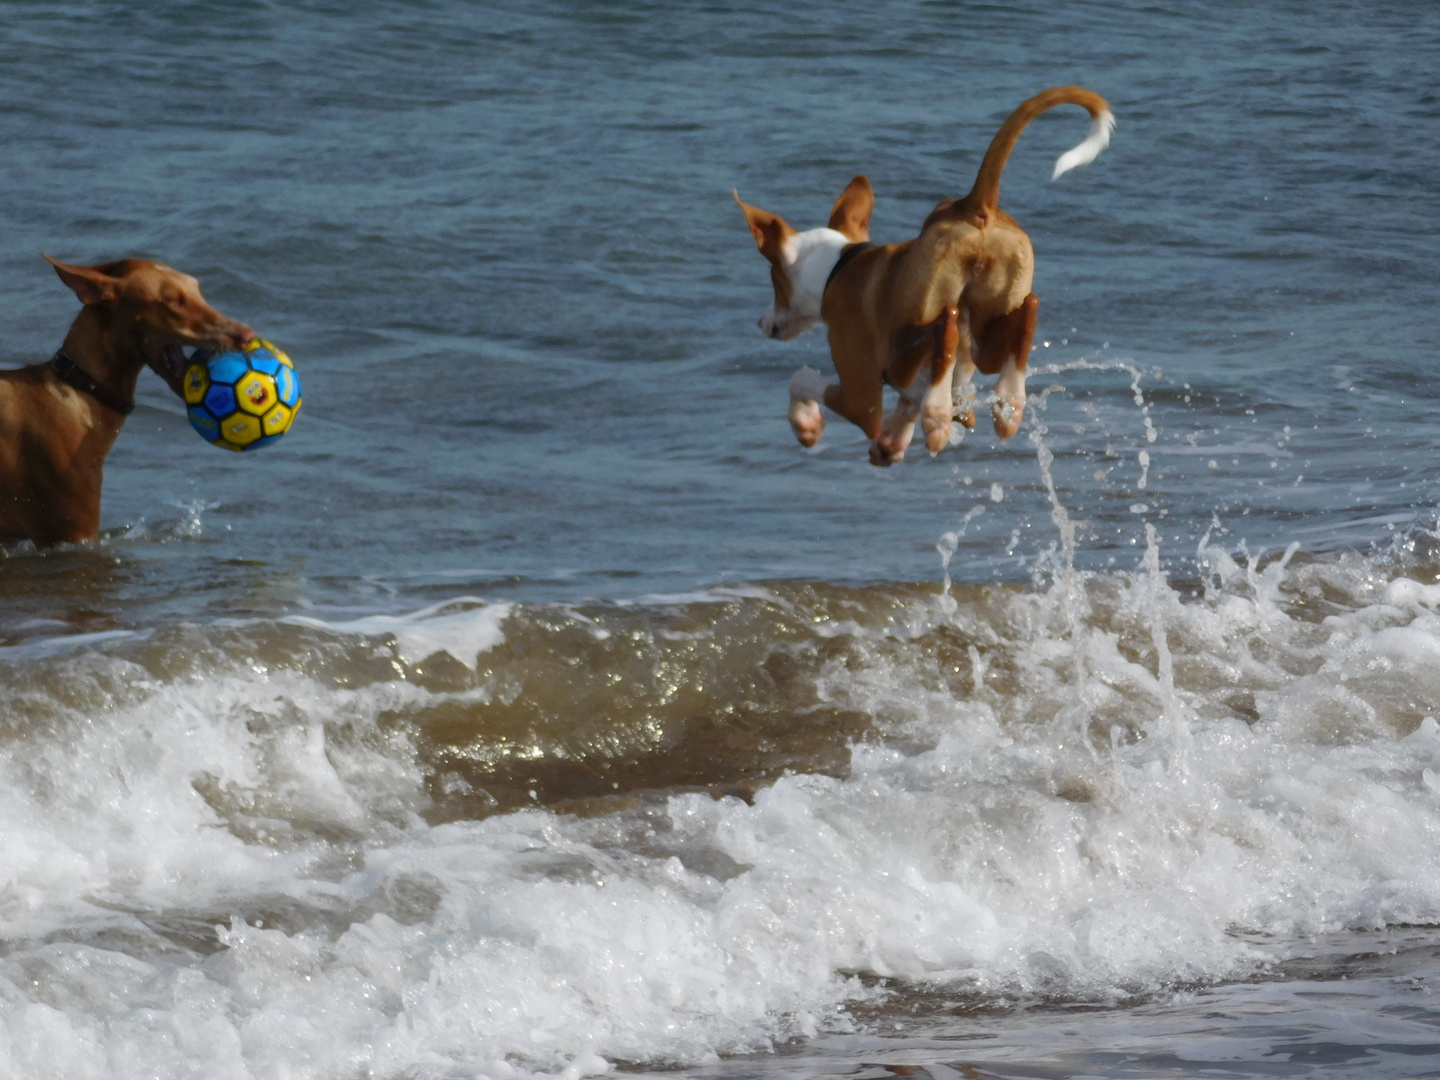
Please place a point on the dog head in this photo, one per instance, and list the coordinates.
(800, 262)
(157, 312)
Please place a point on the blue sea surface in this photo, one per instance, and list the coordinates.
(500, 244)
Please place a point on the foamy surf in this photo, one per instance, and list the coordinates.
(275, 859)
(461, 628)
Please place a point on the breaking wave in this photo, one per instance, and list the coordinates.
(497, 840)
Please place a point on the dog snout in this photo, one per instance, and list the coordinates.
(237, 335)
(218, 331)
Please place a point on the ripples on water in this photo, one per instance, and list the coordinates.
(538, 707)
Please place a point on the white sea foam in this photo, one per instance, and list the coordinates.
(463, 628)
(1108, 836)
(717, 594)
(42, 647)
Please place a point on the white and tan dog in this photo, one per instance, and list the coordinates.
(907, 314)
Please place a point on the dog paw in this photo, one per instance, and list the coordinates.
(963, 408)
(1007, 414)
(889, 446)
(937, 433)
(882, 457)
(806, 421)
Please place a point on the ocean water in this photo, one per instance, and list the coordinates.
(537, 708)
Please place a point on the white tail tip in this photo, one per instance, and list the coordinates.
(1089, 150)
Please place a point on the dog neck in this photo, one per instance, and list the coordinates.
(99, 348)
(846, 254)
(817, 252)
(807, 259)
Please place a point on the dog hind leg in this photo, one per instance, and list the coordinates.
(935, 412)
(1004, 346)
(962, 406)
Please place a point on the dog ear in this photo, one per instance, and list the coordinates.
(851, 215)
(92, 286)
(770, 230)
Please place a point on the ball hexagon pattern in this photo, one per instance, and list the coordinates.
(242, 400)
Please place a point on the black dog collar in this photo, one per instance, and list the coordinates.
(64, 365)
(846, 254)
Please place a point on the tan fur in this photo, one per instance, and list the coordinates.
(954, 300)
(54, 438)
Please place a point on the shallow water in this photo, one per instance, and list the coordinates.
(538, 707)
(1357, 1004)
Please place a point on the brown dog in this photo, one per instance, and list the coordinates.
(957, 295)
(59, 419)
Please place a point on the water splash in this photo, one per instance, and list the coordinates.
(1068, 582)
(1161, 597)
(1069, 585)
(950, 542)
(192, 523)
(1138, 395)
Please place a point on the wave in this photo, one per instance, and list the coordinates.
(509, 839)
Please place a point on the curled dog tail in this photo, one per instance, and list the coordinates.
(986, 192)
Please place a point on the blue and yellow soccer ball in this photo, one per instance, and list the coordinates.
(242, 400)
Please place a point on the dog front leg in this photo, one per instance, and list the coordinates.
(862, 402)
(920, 368)
(899, 426)
(807, 390)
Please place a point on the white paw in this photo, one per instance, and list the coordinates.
(937, 431)
(1007, 414)
(806, 421)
